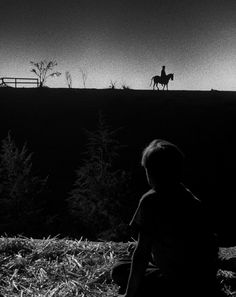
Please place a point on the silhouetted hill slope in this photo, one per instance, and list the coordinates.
(201, 123)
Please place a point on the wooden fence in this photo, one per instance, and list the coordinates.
(6, 81)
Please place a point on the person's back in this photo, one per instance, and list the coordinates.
(182, 244)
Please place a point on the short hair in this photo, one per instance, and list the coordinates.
(163, 159)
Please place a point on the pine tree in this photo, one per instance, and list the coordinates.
(19, 188)
(96, 202)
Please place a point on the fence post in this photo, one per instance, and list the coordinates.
(15, 82)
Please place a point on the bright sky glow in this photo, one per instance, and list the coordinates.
(122, 41)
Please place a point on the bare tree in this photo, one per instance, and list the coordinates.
(125, 86)
(43, 70)
(84, 75)
(68, 79)
(112, 85)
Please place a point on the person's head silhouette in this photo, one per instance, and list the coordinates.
(163, 162)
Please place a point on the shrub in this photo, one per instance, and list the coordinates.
(20, 189)
(100, 190)
(68, 79)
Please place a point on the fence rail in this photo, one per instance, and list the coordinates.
(18, 81)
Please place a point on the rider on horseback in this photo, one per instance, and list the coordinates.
(162, 80)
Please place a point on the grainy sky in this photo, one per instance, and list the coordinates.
(122, 40)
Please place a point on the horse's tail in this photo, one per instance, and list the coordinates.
(151, 81)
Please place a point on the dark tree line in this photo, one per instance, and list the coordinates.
(98, 206)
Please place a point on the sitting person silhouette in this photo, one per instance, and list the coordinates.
(163, 72)
(176, 252)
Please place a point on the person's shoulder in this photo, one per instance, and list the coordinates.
(190, 199)
(190, 194)
(149, 198)
(151, 194)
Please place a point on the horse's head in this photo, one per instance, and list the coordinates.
(172, 76)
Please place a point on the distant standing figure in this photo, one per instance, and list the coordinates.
(176, 253)
(163, 72)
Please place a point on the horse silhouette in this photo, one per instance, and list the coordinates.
(161, 80)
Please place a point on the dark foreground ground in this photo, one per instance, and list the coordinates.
(52, 121)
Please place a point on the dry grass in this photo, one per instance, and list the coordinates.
(54, 267)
